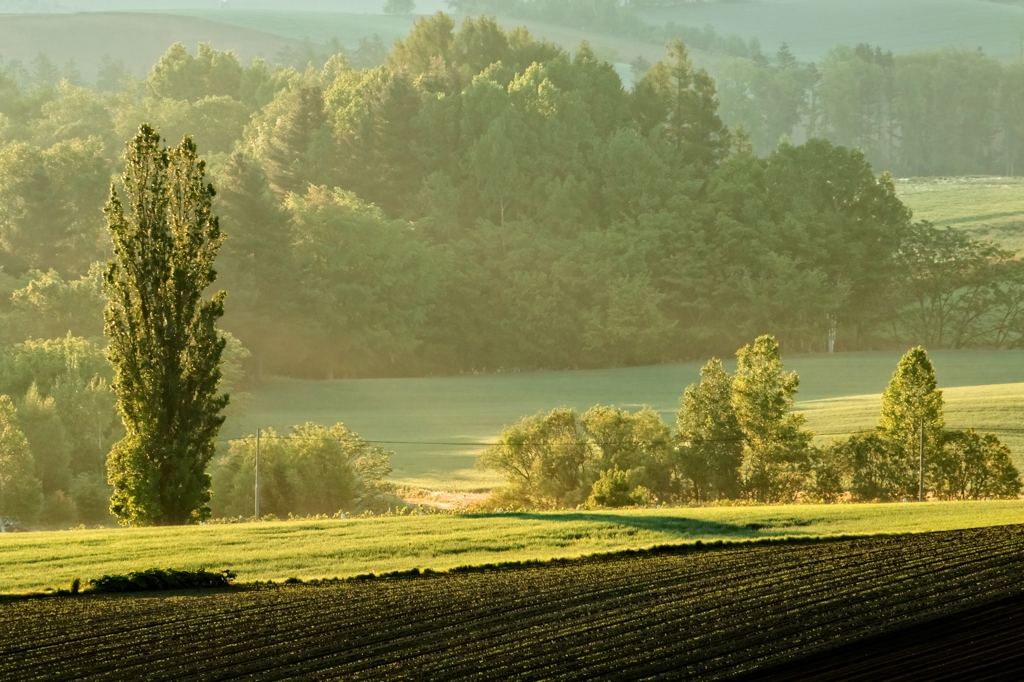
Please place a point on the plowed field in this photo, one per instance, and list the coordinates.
(708, 613)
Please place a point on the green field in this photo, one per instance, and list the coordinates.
(318, 27)
(813, 27)
(716, 614)
(137, 39)
(839, 392)
(274, 551)
(989, 208)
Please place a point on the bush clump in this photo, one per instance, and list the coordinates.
(160, 579)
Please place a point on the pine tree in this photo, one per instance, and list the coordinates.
(20, 491)
(709, 436)
(164, 344)
(912, 398)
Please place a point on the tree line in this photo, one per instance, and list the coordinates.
(737, 438)
(486, 201)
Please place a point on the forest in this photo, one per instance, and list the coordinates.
(484, 201)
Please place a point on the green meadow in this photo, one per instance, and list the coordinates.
(435, 425)
(339, 548)
(813, 27)
(989, 208)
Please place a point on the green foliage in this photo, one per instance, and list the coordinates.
(160, 579)
(775, 447)
(50, 307)
(47, 440)
(972, 466)
(20, 491)
(871, 467)
(710, 441)
(164, 344)
(47, 363)
(912, 400)
(545, 459)
(368, 297)
(313, 470)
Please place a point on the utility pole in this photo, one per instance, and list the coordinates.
(257, 474)
(920, 485)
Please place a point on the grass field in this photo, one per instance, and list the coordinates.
(318, 549)
(839, 393)
(137, 39)
(988, 207)
(812, 27)
(319, 27)
(673, 615)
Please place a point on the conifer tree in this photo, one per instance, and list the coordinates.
(910, 400)
(164, 344)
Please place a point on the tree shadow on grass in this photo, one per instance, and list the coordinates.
(669, 524)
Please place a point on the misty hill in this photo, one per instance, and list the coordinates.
(138, 40)
(813, 27)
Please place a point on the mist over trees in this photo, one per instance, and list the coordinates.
(487, 201)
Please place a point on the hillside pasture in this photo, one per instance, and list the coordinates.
(318, 27)
(324, 549)
(813, 27)
(990, 208)
(135, 38)
(435, 424)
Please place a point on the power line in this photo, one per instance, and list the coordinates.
(264, 436)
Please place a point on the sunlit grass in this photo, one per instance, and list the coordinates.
(275, 551)
(988, 207)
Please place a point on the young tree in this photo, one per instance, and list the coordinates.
(775, 447)
(709, 436)
(910, 400)
(20, 491)
(164, 344)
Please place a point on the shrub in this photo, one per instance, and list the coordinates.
(160, 579)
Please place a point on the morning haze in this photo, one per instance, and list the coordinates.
(380, 294)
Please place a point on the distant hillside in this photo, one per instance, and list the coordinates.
(137, 39)
(812, 27)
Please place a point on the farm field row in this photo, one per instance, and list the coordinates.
(325, 549)
(432, 423)
(708, 614)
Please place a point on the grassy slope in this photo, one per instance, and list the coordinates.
(812, 27)
(137, 39)
(470, 409)
(988, 207)
(340, 548)
(318, 27)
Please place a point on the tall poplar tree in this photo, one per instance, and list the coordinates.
(164, 344)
